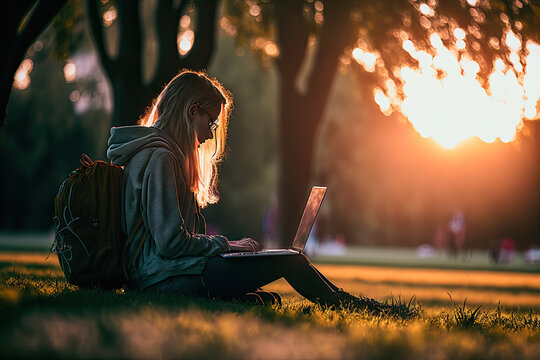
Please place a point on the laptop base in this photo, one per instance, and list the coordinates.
(268, 252)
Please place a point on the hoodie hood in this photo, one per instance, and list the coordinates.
(126, 141)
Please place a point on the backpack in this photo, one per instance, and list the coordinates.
(89, 240)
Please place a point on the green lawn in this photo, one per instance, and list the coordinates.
(44, 317)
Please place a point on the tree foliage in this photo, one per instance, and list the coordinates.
(382, 26)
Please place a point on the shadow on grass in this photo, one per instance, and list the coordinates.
(33, 290)
(72, 301)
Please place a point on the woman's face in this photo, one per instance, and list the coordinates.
(204, 121)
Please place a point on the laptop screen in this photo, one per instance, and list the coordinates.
(308, 217)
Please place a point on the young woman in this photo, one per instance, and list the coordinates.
(170, 173)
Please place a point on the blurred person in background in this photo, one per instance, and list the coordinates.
(457, 233)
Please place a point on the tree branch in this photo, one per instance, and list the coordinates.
(94, 19)
(292, 38)
(39, 19)
(16, 11)
(18, 42)
(167, 19)
(169, 61)
(205, 36)
(336, 33)
(181, 8)
(130, 49)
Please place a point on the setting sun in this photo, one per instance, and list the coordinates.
(444, 99)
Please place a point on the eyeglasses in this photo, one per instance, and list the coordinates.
(212, 125)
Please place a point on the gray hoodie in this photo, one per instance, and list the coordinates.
(154, 187)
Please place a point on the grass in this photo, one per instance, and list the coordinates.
(488, 315)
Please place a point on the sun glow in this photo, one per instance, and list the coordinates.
(443, 97)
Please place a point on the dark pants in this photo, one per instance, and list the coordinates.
(234, 277)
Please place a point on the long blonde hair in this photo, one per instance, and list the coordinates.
(169, 112)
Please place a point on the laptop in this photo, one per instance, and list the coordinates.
(302, 233)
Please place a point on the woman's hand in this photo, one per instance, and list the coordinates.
(245, 244)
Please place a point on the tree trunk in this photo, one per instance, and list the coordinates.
(297, 133)
(130, 101)
(301, 114)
